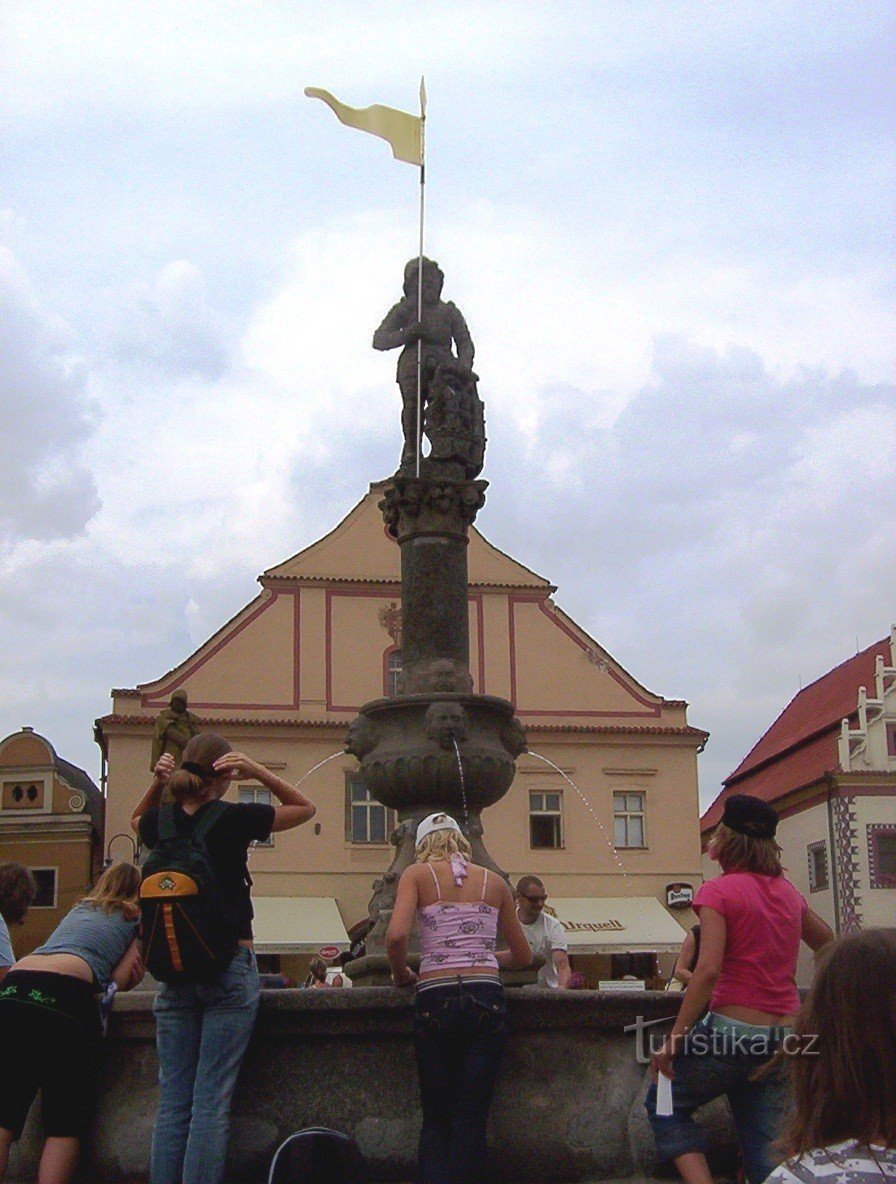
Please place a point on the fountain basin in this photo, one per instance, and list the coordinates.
(406, 748)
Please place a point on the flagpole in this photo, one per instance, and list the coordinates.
(419, 445)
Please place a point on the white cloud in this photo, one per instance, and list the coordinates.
(45, 492)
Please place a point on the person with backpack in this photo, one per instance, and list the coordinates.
(194, 878)
(50, 1019)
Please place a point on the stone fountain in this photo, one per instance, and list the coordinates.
(435, 745)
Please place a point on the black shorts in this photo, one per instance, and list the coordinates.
(51, 1038)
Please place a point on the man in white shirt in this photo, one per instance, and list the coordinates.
(544, 933)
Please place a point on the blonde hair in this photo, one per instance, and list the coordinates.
(117, 891)
(744, 853)
(442, 844)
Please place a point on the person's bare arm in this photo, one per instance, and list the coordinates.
(563, 968)
(518, 955)
(684, 964)
(815, 932)
(153, 796)
(399, 930)
(130, 970)
(713, 936)
(294, 807)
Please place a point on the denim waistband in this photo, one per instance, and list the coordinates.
(724, 1023)
(459, 982)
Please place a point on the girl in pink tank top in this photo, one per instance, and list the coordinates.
(460, 1025)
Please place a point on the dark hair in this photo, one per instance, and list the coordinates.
(18, 889)
(848, 1090)
(197, 772)
(318, 968)
(527, 882)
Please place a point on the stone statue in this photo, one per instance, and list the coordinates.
(440, 328)
(445, 723)
(174, 727)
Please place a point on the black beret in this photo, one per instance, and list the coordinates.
(750, 816)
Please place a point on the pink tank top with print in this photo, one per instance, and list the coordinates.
(455, 935)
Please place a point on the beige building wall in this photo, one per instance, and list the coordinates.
(284, 678)
(50, 821)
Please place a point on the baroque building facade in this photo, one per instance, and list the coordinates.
(616, 820)
(51, 820)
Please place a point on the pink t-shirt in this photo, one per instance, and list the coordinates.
(764, 919)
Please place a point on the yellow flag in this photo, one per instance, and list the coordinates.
(403, 131)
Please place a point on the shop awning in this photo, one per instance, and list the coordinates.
(297, 924)
(617, 924)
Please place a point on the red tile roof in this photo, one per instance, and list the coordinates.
(801, 745)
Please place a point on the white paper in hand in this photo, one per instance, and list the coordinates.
(663, 1095)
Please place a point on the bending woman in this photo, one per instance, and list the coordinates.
(844, 1123)
(50, 1024)
(203, 1029)
(751, 922)
(460, 1026)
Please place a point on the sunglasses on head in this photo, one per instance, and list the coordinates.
(535, 899)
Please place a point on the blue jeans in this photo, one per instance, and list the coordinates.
(460, 1030)
(202, 1032)
(719, 1057)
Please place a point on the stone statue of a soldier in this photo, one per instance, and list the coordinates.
(174, 727)
(440, 328)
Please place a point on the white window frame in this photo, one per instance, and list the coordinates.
(540, 809)
(625, 813)
(55, 872)
(246, 795)
(369, 805)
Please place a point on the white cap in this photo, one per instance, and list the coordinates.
(435, 822)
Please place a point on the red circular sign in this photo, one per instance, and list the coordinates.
(329, 951)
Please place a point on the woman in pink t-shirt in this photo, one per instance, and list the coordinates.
(752, 920)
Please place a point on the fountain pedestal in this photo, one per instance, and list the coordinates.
(436, 746)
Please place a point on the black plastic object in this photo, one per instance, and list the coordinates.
(318, 1155)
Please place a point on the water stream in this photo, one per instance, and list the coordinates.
(463, 784)
(319, 765)
(603, 829)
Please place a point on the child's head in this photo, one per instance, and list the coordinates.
(845, 1086)
(744, 841)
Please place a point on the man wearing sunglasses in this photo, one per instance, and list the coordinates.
(544, 933)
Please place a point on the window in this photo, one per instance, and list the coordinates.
(393, 672)
(46, 887)
(23, 795)
(818, 866)
(891, 739)
(545, 820)
(366, 821)
(882, 854)
(628, 820)
(257, 793)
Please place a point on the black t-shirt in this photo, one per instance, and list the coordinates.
(228, 847)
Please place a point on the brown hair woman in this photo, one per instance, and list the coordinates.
(843, 1125)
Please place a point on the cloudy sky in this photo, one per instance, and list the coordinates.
(669, 225)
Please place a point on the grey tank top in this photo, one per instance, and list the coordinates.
(99, 938)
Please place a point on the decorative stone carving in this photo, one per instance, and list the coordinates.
(441, 675)
(513, 737)
(445, 722)
(361, 737)
(421, 505)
